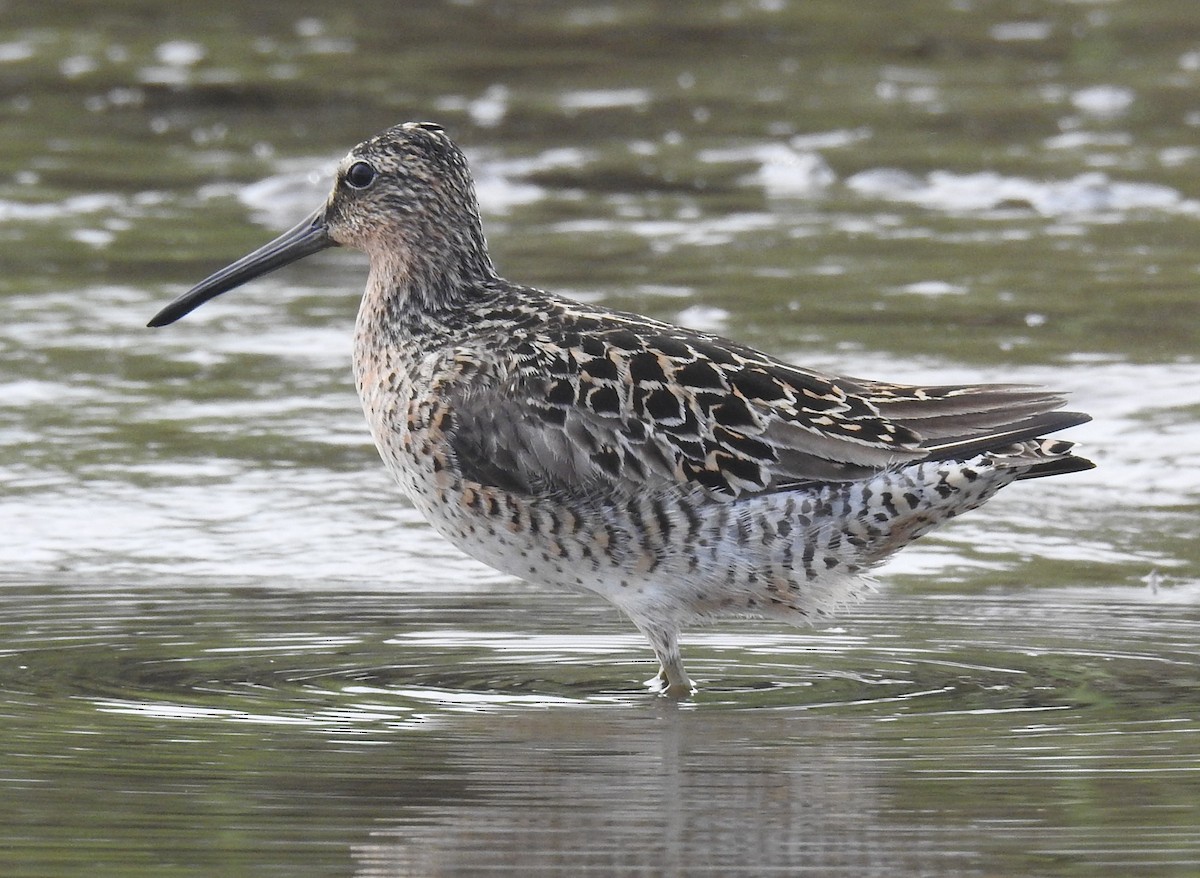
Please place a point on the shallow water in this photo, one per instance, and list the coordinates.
(229, 647)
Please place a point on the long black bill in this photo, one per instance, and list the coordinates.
(304, 239)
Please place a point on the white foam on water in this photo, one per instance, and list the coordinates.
(1092, 195)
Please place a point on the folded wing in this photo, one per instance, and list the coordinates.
(647, 405)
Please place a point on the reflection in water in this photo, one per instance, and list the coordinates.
(681, 792)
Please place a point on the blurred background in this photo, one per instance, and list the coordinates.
(227, 645)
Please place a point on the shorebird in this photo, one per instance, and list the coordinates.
(682, 476)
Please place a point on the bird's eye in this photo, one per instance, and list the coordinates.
(360, 175)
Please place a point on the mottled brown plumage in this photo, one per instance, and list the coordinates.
(680, 475)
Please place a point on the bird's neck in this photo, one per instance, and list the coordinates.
(419, 295)
(430, 278)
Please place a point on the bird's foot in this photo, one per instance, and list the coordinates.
(679, 688)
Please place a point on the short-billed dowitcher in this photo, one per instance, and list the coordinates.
(681, 476)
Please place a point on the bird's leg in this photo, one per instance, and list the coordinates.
(671, 680)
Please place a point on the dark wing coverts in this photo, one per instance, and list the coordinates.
(648, 403)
